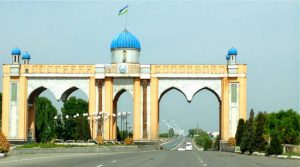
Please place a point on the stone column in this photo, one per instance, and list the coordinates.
(225, 110)
(145, 85)
(154, 109)
(22, 113)
(92, 106)
(137, 109)
(108, 108)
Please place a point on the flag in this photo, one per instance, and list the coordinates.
(123, 11)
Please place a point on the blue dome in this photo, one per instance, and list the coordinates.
(227, 57)
(125, 40)
(26, 55)
(232, 51)
(16, 51)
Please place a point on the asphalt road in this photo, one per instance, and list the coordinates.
(146, 159)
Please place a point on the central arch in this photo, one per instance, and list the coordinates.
(118, 113)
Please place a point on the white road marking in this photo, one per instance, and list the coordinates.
(99, 165)
(113, 161)
(204, 164)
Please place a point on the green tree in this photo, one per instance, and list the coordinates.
(239, 132)
(191, 132)
(76, 128)
(45, 112)
(204, 140)
(247, 143)
(286, 124)
(171, 132)
(275, 146)
(259, 130)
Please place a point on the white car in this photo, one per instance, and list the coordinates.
(188, 146)
(181, 148)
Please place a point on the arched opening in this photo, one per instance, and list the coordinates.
(58, 104)
(74, 122)
(179, 114)
(31, 109)
(123, 111)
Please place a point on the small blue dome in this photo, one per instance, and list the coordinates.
(125, 40)
(26, 55)
(232, 51)
(227, 57)
(16, 51)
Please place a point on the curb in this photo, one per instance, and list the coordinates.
(274, 156)
(97, 149)
(2, 155)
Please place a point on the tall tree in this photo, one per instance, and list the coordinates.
(247, 143)
(259, 130)
(45, 113)
(78, 127)
(286, 124)
(240, 131)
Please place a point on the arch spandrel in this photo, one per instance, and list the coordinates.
(123, 84)
(189, 87)
(60, 87)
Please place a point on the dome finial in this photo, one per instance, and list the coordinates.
(232, 51)
(16, 51)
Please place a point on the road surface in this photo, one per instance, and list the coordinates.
(174, 158)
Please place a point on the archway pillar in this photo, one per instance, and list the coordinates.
(243, 97)
(92, 107)
(23, 109)
(224, 128)
(154, 122)
(137, 110)
(108, 108)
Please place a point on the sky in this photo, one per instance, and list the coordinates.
(265, 33)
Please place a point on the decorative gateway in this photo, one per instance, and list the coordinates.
(104, 83)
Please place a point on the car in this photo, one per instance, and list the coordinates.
(188, 146)
(181, 148)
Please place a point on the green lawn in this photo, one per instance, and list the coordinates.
(292, 154)
(45, 145)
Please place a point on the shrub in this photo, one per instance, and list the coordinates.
(204, 141)
(275, 146)
(231, 141)
(216, 145)
(4, 144)
(239, 132)
(128, 141)
(248, 143)
(99, 139)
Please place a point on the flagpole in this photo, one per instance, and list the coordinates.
(126, 20)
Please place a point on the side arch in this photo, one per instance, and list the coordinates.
(69, 91)
(189, 86)
(209, 89)
(172, 88)
(34, 94)
(60, 87)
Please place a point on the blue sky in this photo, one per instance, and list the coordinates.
(266, 35)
